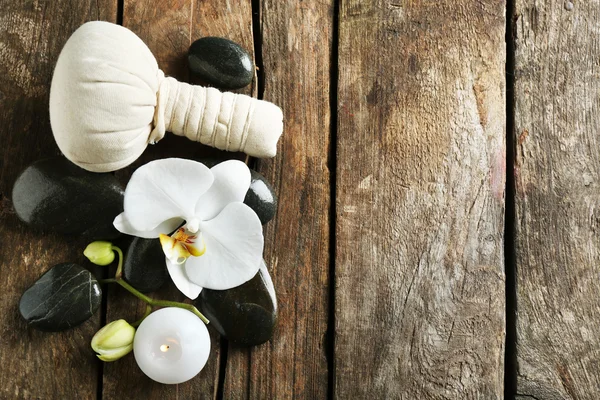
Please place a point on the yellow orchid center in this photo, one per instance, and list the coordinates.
(181, 245)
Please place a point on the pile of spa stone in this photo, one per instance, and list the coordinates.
(54, 195)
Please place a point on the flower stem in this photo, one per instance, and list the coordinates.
(148, 300)
(134, 291)
(160, 303)
(119, 272)
(189, 307)
(146, 313)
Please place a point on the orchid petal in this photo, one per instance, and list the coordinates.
(181, 280)
(234, 245)
(165, 189)
(122, 225)
(231, 183)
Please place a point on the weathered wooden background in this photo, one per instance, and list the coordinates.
(438, 228)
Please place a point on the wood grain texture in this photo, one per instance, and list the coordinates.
(36, 364)
(557, 180)
(296, 50)
(419, 294)
(168, 28)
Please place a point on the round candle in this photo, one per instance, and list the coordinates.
(171, 345)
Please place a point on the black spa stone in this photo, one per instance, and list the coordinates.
(57, 196)
(145, 267)
(261, 197)
(245, 315)
(64, 297)
(221, 63)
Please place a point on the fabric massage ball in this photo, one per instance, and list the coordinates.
(109, 100)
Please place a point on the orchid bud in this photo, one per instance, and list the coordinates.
(114, 341)
(100, 253)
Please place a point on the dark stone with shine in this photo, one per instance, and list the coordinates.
(210, 162)
(245, 315)
(145, 266)
(221, 63)
(64, 297)
(57, 196)
(261, 197)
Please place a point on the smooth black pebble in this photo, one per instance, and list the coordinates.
(210, 162)
(221, 63)
(64, 297)
(261, 197)
(145, 266)
(57, 196)
(245, 315)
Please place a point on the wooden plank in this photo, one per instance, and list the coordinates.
(296, 50)
(36, 364)
(420, 198)
(174, 25)
(557, 175)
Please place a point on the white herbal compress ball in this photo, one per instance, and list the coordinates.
(109, 100)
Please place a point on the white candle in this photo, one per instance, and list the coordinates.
(171, 345)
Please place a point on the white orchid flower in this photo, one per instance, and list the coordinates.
(221, 244)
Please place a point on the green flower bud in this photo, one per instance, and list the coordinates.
(113, 341)
(100, 253)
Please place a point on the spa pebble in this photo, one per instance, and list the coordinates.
(64, 297)
(144, 266)
(261, 197)
(221, 63)
(245, 315)
(57, 196)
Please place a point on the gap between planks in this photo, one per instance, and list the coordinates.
(332, 164)
(510, 266)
